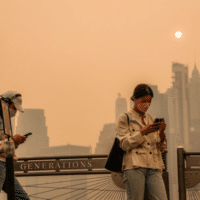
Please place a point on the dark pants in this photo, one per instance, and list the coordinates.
(20, 194)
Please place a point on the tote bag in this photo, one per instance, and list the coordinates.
(115, 157)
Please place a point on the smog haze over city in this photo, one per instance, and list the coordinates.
(72, 58)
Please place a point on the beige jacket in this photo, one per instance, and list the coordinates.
(140, 151)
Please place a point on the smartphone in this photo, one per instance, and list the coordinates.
(26, 135)
(158, 120)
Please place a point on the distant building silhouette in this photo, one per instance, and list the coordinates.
(156, 105)
(120, 107)
(172, 142)
(194, 96)
(178, 110)
(65, 150)
(32, 120)
(159, 106)
(106, 139)
(180, 84)
(108, 133)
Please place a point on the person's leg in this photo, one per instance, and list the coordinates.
(155, 185)
(2, 174)
(20, 194)
(134, 180)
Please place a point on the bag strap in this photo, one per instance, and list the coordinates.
(127, 118)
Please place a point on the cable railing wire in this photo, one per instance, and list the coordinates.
(96, 188)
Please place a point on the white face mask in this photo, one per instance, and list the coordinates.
(12, 112)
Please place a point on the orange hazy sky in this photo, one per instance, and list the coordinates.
(72, 57)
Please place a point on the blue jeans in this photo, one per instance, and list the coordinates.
(137, 179)
(20, 194)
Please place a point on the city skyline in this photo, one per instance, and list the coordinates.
(70, 59)
(33, 117)
(157, 109)
(128, 107)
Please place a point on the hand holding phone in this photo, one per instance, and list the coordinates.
(158, 120)
(18, 139)
(26, 135)
(149, 128)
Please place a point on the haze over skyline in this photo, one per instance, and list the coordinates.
(72, 58)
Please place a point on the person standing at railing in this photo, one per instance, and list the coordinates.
(143, 141)
(14, 101)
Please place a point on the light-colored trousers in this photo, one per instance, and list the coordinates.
(138, 180)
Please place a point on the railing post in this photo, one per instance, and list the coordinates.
(9, 152)
(181, 173)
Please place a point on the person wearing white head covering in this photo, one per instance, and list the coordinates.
(15, 98)
(14, 101)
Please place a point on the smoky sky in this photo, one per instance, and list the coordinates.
(72, 58)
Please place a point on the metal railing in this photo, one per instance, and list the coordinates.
(77, 177)
(95, 184)
(65, 165)
(188, 174)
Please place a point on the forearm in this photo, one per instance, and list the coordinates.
(162, 144)
(129, 142)
(162, 135)
(143, 132)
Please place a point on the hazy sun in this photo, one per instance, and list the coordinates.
(178, 34)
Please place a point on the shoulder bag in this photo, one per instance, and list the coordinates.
(115, 157)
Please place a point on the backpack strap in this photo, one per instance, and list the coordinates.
(127, 118)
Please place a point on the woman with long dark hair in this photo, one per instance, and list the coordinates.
(143, 142)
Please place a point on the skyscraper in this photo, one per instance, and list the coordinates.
(194, 96)
(178, 110)
(156, 105)
(180, 84)
(120, 106)
(172, 142)
(159, 106)
(108, 133)
(32, 120)
(106, 139)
